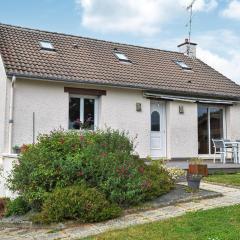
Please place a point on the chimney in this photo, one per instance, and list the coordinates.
(188, 48)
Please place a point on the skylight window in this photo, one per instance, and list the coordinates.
(121, 57)
(46, 45)
(183, 65)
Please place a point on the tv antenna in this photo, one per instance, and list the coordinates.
(190, 9)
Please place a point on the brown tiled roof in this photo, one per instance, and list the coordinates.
(93, 61)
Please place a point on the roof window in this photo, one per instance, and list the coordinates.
(46, 45)
(183, 65)
(121, 56)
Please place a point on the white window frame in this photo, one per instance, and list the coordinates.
(209, 154)
(122, 57)
(182, 64)
(96, 108)
(46, 45)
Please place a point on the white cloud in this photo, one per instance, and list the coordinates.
(144, 17)
(233, 10)
(221, 41)
(221, 50)
(227, 66)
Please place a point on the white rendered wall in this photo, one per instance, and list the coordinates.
(118, 111)
(6, 163)
(233, 122)
(182, 130)
(47, 100)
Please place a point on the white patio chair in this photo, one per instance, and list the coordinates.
(238, 151)
(220, 147)
(232, 148)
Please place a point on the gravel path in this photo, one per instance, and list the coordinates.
(231, 196)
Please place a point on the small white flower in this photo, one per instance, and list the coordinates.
(213, 238)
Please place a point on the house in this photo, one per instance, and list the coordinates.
(173, 102)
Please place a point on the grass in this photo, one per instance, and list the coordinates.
(229, 179)
(214, 224)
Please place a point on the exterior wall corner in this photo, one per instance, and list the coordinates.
(3, 106)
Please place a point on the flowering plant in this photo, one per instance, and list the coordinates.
(175, 173)
(196, 161)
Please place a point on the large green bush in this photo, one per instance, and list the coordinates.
(77, 202)
(103, 159)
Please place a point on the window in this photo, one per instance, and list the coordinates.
(155, 121)
(46, 45)
(210, 125)
(182, 64)
(121, 57)
(82, 113)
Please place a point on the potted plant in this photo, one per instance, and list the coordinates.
(24, 148)
(197, 166)
(16, 149)
(194, 181)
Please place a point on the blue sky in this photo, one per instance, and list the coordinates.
(152, 23)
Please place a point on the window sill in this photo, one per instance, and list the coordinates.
(9, 155)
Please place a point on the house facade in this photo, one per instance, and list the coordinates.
(171, 102)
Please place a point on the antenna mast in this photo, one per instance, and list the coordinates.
(190, 7)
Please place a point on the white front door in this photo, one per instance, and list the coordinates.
(158, 129)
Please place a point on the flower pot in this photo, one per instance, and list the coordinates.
(200, 169)
(17, 150)
(24, 148)
(194, 181)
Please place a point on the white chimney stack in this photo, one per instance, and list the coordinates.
(188, 48)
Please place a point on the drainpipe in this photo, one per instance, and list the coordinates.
(10, 127)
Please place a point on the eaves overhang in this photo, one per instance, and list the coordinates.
(155, 92)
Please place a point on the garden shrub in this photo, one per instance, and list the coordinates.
(103, 159)
(39, 169)
(16, 207)
(77, 202)
(157, 180)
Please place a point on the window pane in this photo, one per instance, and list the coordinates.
(155, 121)
(182, 64)
(89, 114)
(203, 140)
(46, 45)
(121, 56)
(216, 124)
(74, 113)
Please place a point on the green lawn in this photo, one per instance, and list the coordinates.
(230, 179)
(215, 224)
